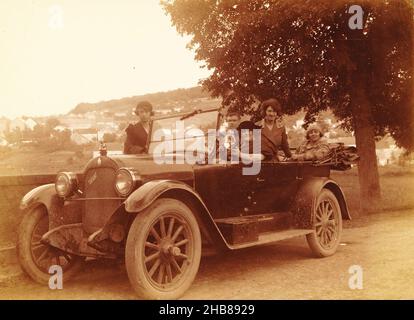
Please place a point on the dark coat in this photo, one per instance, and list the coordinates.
(136, 140)
(274, 140)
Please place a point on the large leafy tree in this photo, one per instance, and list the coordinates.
(305, 54)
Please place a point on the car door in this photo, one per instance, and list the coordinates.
(272, 189)
(223, 188)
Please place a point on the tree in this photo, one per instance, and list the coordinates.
(52, 122)
(14, 136)
(305, 54)
(109, 137)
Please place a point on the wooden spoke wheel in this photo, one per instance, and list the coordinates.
(163, 250)
(327, 222)
(36, 257)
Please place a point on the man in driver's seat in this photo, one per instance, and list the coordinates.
(137, 134)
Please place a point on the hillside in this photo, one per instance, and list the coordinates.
(179, 98)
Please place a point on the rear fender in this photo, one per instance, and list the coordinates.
(305, 201)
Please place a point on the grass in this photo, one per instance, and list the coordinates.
(397, 188)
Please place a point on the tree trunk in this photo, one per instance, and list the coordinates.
(370, 192)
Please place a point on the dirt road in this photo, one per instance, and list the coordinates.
(382, 245)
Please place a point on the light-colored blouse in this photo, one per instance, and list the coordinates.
(312, 151)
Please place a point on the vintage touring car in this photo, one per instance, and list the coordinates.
(161, 218)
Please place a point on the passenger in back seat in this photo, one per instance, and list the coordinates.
(314, 148)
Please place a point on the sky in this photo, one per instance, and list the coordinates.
(56, 54)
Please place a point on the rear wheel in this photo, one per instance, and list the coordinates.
(163, 250)
(327, 223)
(35, 257)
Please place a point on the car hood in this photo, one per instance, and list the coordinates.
(145, 165)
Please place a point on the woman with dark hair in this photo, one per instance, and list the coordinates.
(137, 134)
(273, 135)
(314, 148)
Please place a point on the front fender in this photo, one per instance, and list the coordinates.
(44, 194)
(145, 195)
(305, 201)
(60, 212)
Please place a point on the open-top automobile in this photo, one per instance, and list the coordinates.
(162, 217)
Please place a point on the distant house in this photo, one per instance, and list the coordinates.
(4, 125)
(92, 115)
(387, 151)
(17, 124)
(75, 123)
(83, 138)
(107, 126)
(3, 142)
(86, 131)
(60, 128)
(348, 141)
(30, 123)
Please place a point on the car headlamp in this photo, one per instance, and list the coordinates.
(66, 184)
(126, 181)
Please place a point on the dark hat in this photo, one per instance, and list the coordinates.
(146, 105)
(248, 125)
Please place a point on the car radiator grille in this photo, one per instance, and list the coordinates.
(99, 183)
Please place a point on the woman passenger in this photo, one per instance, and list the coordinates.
(314, 148)
(273, 134)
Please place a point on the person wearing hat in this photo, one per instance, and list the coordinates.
(273, 135)
(314, 148)
(137, 133)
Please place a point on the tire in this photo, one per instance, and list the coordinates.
(35, 257)
(327, 223)
(163, 250)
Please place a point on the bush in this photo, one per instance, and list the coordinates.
(109, 137)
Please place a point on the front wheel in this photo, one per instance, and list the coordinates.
(327, 223)
(36, 257)
(163, 250)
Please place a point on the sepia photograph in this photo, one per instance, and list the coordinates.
(202, 150)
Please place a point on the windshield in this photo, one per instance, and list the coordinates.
(182, 131)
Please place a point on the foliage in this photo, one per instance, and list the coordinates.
(13, 136)
(42, 136)
(109, 137)
(52, 122)
(305, 54)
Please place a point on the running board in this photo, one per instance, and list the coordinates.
(246, 229)
(270, 237)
